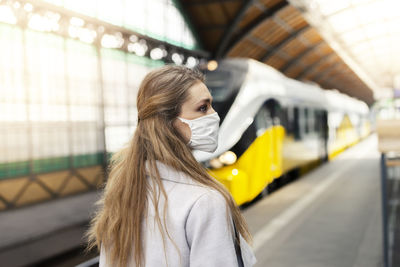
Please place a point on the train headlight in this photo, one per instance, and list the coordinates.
(226, 158)
(216, 163)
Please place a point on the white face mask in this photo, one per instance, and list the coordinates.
(204, 132)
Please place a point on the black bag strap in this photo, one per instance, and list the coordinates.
(237, 248)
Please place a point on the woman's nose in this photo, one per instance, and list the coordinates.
(211, 110)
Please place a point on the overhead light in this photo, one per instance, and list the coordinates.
(212, 65)
(44, 23)
(73, 31)
(191, 62)
(53, 15)
(143, 43)
(177, 58)
(86, 35)
(133, 38)
(28, 7)
(77, 21)
(7, 15)
(165, 52)
(156, 53)
(139, 49)
(112, 41)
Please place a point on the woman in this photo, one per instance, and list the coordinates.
(160, 207)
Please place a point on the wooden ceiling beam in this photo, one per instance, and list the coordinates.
(223, 43)
(314, 65)
(302, 54)
(291, 30)
(227, 42)
(284, 42)
(268, 47)
(320, 77)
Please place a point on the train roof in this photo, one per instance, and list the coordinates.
(297, 91)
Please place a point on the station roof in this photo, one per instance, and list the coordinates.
(276, 33)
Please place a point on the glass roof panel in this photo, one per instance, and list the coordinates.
(369, 13)
(375, 31)
(365, 33)
(393, 26)
(343, 21)
(329, 7)
(361, 48)
(353, 37)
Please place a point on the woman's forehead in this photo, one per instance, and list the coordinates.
(199, 91)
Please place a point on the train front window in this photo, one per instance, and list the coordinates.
(217, 82)
(220, 85)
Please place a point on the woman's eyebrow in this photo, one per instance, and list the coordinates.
(207, 100)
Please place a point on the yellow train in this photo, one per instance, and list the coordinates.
(271, 124)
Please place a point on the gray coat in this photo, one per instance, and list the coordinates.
(196, 221)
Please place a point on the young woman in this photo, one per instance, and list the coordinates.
(160, 207)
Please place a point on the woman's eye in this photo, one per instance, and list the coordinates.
(203, 108)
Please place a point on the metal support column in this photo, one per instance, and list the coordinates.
(384, 178)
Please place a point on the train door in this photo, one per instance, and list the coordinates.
(277, 133)
(263, 122)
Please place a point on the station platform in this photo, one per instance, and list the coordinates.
(330, 217)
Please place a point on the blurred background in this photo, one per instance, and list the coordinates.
(69, 75)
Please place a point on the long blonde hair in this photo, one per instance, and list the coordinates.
(117, 223)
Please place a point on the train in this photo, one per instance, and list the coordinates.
(272, 125)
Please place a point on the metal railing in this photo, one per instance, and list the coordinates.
(390, 185)
(389, 145)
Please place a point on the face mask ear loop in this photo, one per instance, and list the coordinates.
(184, 121)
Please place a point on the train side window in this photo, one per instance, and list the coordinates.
(297, 123)
(306, 119)
(311, 120)
(277, 114)
(285, 120)
(263, 120)
(317, 118)
(318, 121)
(289, 120)
(275, 111)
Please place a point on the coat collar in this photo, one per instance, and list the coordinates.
(170, 174)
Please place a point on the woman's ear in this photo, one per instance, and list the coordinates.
(183, 128)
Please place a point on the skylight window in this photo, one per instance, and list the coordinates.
(365, 33)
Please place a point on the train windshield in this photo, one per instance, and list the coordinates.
(217, 82)
(220, 85)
